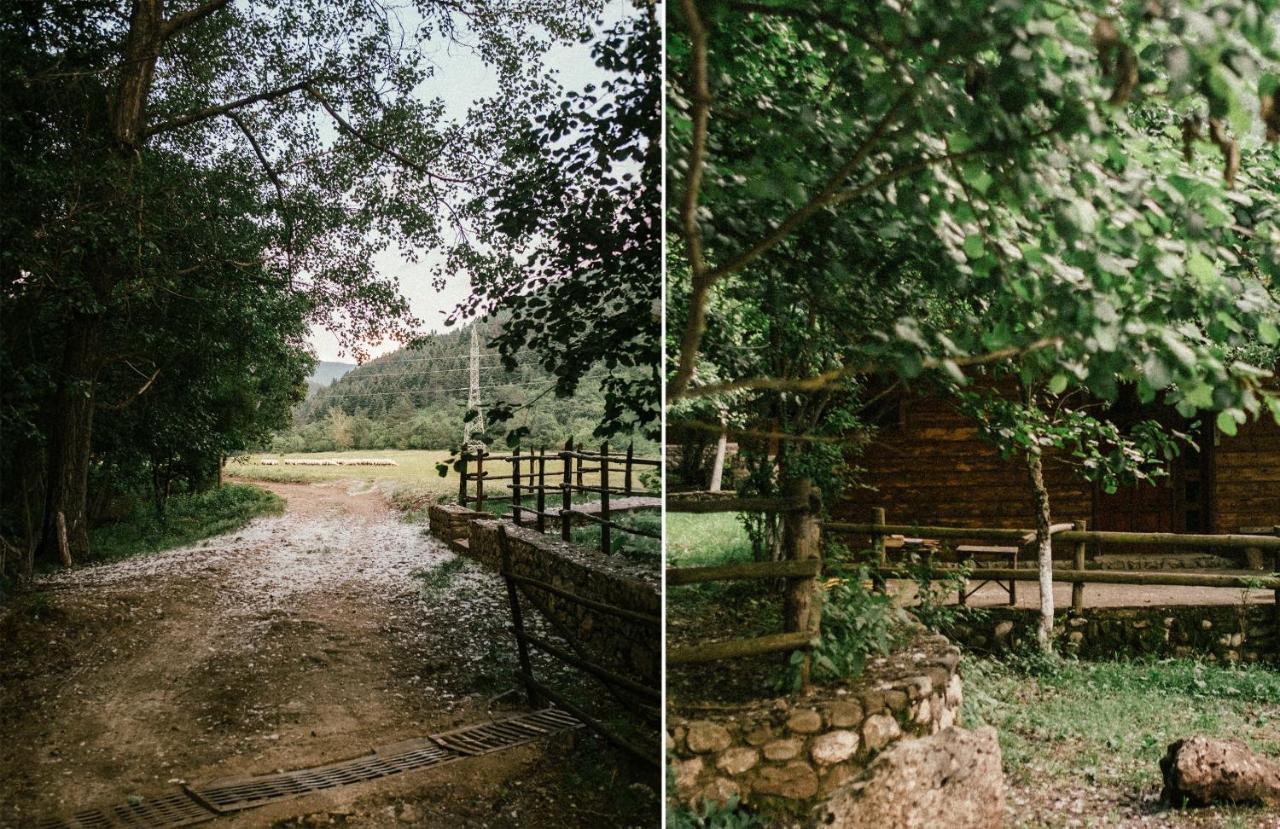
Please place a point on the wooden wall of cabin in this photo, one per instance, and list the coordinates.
(930, 467)
(1245, 491)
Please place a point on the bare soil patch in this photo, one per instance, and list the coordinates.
(301, 639)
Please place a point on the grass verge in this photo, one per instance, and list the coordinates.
(1109, 723)
(189, 518)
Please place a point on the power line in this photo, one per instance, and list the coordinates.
(534, 383)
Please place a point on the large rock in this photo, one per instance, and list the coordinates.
(1201, 771)
(952, 779)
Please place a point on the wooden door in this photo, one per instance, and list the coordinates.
(1178, 503)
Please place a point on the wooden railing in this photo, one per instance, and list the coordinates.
(1081, 539)
(801, 567)
(615, 474)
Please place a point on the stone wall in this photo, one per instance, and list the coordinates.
(630, 647)
(1226, 633)
(785, 755)
(449, 522)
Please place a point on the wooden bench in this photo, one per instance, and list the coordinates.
(934, 549)
(988, 554)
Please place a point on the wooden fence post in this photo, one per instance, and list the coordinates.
(542, 490)
(517, 619)
(566, 489)
(1275, 564)
(462, 480)
(802, 540)
(480, 481)
(626, 477)
(1077, 587)
(878, 536)
(515, 486)
(606, 546)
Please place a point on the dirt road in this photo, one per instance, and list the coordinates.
(304, 638)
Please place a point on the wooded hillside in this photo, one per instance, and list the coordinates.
(415, 398)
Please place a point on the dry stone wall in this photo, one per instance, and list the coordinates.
(1228, 633)
(632, 648)
(785, 755)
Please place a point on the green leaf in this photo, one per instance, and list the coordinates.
(1226, 423)
(1058, 384)
(1199, 266)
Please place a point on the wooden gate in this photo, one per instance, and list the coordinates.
(634, 698)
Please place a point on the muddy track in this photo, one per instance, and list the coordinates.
(302, 638)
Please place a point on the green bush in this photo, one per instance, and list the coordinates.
(856, 623)
(189, 517)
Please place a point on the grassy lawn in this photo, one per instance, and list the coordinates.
(1108, 724)
(188, 519)
(635, 547)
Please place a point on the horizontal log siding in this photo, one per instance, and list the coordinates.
(1247, 477)
(934, 469)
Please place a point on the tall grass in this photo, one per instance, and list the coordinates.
(188, 518)
(697, 540)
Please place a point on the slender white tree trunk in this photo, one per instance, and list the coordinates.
(1044, 550)
(717, 467)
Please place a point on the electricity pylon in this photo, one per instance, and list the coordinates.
(471, 429)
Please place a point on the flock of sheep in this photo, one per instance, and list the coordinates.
(328, 462)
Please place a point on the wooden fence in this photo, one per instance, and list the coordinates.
(634, 695)
(1082, 539)
(801, 567)
(567, 470)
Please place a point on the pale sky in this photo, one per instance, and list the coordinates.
(461, 79)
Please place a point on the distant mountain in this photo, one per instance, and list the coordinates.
(325, 373)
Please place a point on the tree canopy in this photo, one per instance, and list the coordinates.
(568, 246)
(222, 175)
(1084, 190)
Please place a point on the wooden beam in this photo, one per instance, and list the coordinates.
(1136, 577)
(744, 571)
(734, 648)
(699, 503)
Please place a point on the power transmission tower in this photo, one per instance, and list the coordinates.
(474, 427)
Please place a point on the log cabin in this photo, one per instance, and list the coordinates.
(928, 466)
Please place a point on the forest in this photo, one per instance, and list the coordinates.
(416, 398)
(191, 191)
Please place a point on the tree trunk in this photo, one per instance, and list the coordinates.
(141, 48)
(1044, 550)
(70, 428)
(71, 421)
(717, 467)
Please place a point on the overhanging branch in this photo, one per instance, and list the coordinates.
(275, 180)
(222, 109)
(181, 21)
(820, 381)
(370, 142)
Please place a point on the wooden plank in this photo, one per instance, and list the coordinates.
(1234, 541)
(650, 757)
(704, 503)
(603, 607)
(1166, 578)
(977, 533)
(600, 672)
(745, 571)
